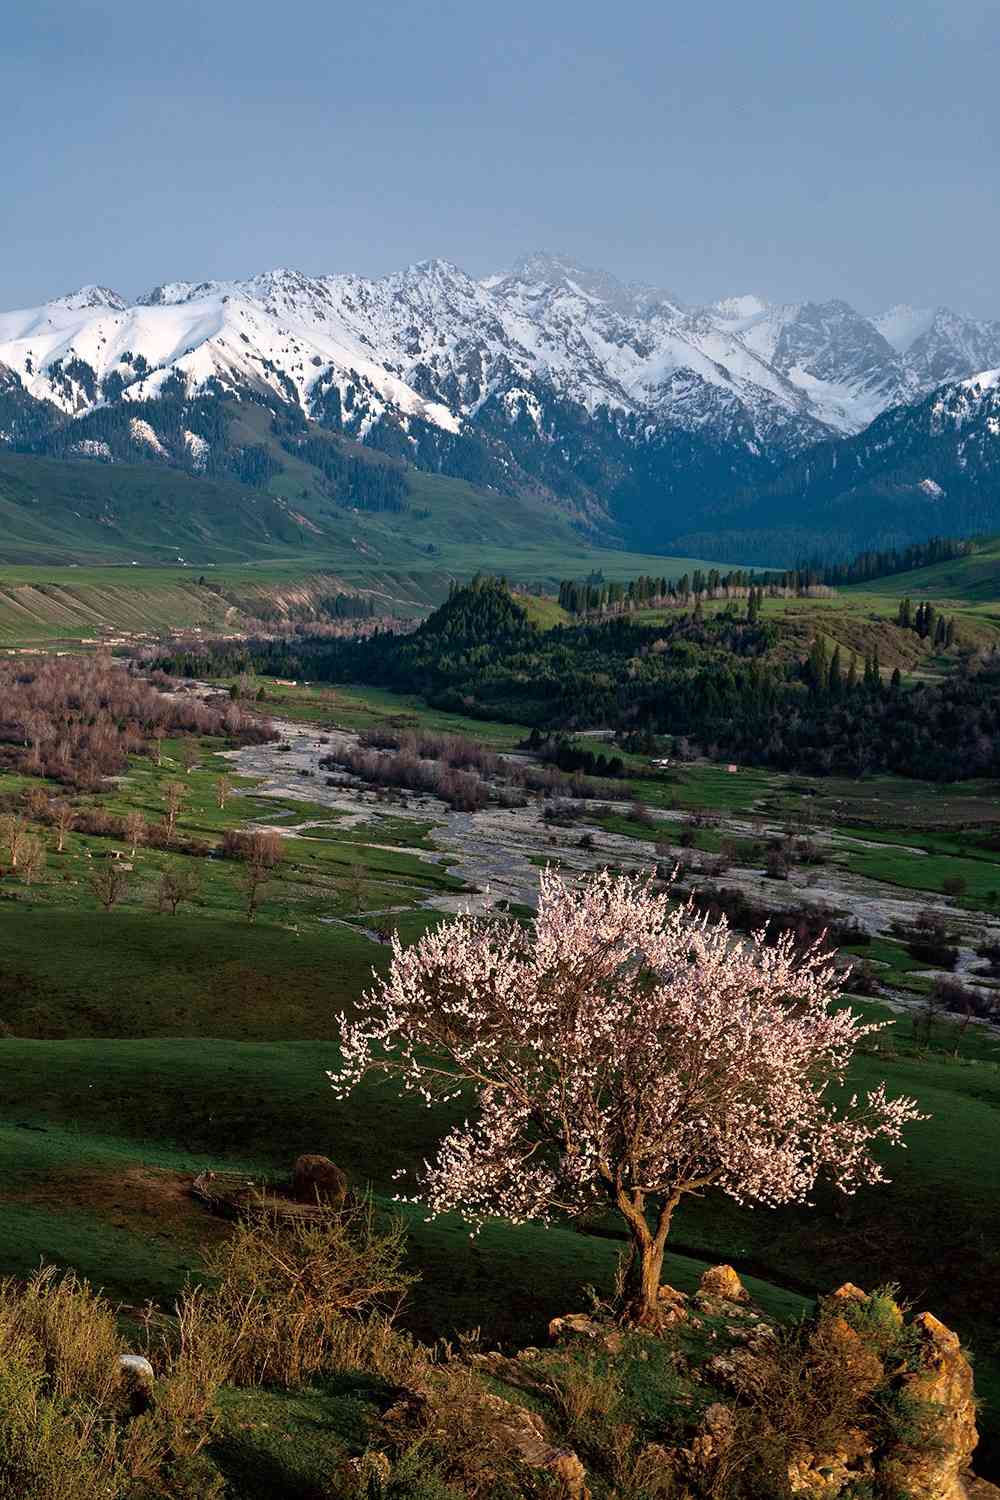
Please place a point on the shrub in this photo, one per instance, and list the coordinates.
(292, 1296)
(67, 1329)
(44, 1453)
(68, 1430)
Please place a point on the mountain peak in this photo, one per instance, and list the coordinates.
(172, 293)
(902, 325)
(546, 268)
(740, 309)
(90, 297)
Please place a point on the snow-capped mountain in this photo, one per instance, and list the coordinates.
(925, 468)
(550, 376)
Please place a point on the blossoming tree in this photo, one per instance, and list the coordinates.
(625, 1053)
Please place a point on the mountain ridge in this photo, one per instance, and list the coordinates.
(637, 413)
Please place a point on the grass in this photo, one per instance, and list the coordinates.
(359, 707)
(972, 580)
(144, 1048)
(90, 550)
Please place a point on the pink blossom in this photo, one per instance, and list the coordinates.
(622, 1052)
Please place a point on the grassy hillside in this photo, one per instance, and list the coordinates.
(89, 548)
(52, 511)
(972, 580)
(142, 1048)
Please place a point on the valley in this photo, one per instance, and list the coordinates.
(143, 1048)
(499, 752)
(176, 1018)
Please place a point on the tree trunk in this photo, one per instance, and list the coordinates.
(642, 1281)
(642, 1285)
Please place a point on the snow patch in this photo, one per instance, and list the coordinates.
(198, 448)
(141, 432)
(739, 309)
(89, 448)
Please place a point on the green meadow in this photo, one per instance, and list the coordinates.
(140, 1048)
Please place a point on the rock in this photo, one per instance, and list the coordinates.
(671, 1307)
(515, 1372)
(826, 1476)
(369, 1470)
(316, 1179)
(655, 1468)
(588, 1330)
(712, 1441)
(737, 1370)
(849, 1292)
(138, 1380)
(859, 1369)
(509, 1433)
(980, 1489)
(723, 1283)
(524, 1433)
(943, 1381)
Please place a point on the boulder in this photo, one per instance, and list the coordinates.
(737, 1370)
(980, 1489)
(722, 1283)
(526, 1436)
(943, 1386)
(849, 1293)
(712, 1442)
(671, 1307)
(316, 1179)
(827, 1476)
(835, 1343)
(138, 1380)
(368, 1473)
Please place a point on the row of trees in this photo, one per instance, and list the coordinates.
(574, 758)
(595, 595)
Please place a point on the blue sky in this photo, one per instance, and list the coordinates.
(794, 149)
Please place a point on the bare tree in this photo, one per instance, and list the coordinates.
(13, 832)
(36, 800)
(135, 830)
(189, 754)
(63, 819)
(223, 787)
(355, 884)
(262, 851)
(175, 886)
(32, 858)
(78, 719)
(37, 729)
(109, 883)
(174, 797)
